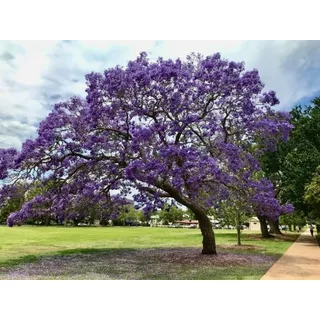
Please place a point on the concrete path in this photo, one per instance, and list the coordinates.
(300, 262)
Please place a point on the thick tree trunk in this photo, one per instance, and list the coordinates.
(208, 242)
(264, 227)
(274, 226)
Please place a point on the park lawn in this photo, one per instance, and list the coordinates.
(31, 252)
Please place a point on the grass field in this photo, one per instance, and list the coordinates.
(132, 253)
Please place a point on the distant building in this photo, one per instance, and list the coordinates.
(254, 224)
(154, 220)
(188, 223)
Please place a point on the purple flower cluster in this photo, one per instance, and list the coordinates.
(7, 160)
(264, 202)
(191, 131)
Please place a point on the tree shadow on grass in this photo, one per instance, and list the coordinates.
(157, 263)
(226, 245)
(251, 236)
(34, 258)
(274, 237)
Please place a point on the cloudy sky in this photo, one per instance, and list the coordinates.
(36, 74)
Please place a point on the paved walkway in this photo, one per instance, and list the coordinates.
(300, 262)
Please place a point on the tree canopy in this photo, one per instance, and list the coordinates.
(312, 196)
(180, 130)
(292, 166)
(171, 214)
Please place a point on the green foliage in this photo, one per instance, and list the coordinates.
(312, 196)
(297, 219)
(11, 205)
(232, 213)
(191, 216)
(171, 214)
(293, 165)
(129, 214)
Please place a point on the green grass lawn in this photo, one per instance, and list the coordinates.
(132, 253)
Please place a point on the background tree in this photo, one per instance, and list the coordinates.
(128, 214)
(169, 129)
(171, 214)
(233, 212)
(190, 215)
(11, 200)
(293, 164)
(312, 197)
(297, 219)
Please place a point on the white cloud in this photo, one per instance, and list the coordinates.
(12, 132)
(36, 74)
(21, 78)
(175, 49)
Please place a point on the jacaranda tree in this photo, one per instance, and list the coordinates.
(170, 130)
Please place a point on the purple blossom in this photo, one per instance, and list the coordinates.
(168, 129)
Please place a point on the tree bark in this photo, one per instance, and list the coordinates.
(263, 227)
(47, 220)
(208, 241)
(238, 236)
(238, 228)
(274, 226)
